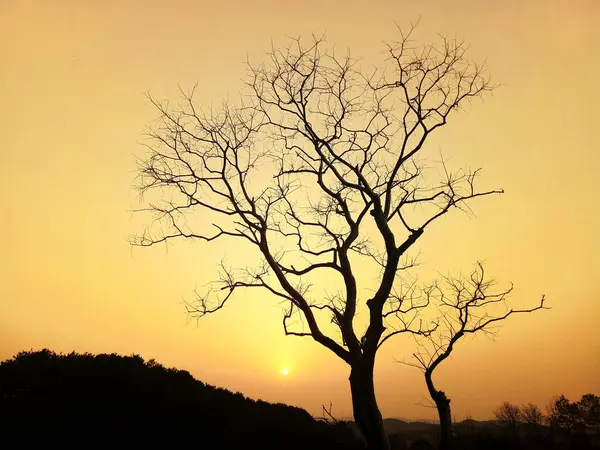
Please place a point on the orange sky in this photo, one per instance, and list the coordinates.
(72, 75)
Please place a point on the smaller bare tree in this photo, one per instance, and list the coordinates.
(467, 306)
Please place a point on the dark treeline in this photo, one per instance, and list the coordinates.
(86, 399)
(49, 396)
(565, 425)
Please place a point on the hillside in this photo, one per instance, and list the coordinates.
(107, 396)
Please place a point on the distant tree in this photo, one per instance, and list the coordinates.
(320, 165)
(589, 410)
(467, 306)
(561, 413)
(509, 415)
(532, 415)
(575, 416)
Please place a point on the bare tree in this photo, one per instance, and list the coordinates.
(316, 168)
(509, 415)
(532, 415)
(466, 305)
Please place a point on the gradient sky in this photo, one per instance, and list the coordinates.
(72, 78)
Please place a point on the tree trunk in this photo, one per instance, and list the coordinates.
(442, 404)
(366, 412)
(444, 412)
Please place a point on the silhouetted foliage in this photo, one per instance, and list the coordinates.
(575, 416)
(588, 409)
(48, 395)
(562, 413)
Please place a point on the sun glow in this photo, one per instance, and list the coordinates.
(284, 371)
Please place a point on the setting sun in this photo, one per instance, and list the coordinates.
(284, 371)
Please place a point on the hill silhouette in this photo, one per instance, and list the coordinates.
(50, 396)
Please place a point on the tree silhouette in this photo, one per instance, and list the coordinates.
(575, 416)
(318, 166)
(467, 305)
(532, 415)
(509, 415)
(589, 410)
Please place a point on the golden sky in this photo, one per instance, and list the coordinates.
(72, 78)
